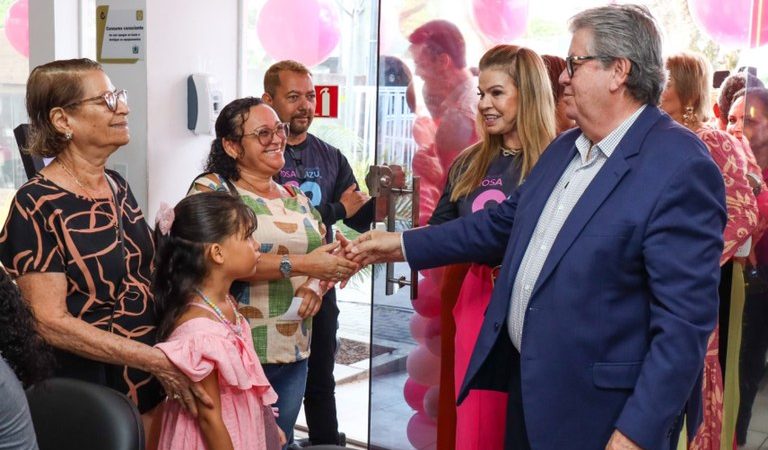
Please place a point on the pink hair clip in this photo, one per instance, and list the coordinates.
(165, 218)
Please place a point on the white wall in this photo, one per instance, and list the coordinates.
(184, 37)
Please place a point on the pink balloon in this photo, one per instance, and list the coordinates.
(501, 21)
(434, 344)
(422, 432)
(418, 326)
(414, 394)
(303, 30)
(433, 336)
(423, 366)
(431, 402)
(727, 23)
(17, 27)
(428, 303)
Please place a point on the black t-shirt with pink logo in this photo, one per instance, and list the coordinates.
(501, 179)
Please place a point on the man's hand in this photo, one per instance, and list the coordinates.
(353, 200)
(620, 442)
(374, 247)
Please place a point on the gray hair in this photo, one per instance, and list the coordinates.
(627, 31)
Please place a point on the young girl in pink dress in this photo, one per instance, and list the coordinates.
(203, 245)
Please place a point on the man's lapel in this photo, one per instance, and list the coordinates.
(598, 191)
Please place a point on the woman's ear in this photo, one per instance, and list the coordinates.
(60, 120)
(215, 253)
(232, 148)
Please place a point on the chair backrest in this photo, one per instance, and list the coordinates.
(31, 163)
(71, 414)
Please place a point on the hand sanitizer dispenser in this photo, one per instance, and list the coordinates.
(204, 102)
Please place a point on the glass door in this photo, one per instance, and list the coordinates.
(428, 53)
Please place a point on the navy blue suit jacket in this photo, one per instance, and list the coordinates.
(617, 325)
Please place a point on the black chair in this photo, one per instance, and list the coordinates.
(31, 163)
(70, 414)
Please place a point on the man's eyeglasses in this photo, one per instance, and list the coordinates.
(265, 135)
(110, 98)
(569, 66)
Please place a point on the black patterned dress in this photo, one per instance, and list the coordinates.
(52, 230)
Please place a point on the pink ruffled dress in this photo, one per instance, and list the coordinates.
(199, 346)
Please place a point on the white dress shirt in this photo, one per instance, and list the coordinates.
(586, 164)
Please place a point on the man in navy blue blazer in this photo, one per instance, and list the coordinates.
(599, 320)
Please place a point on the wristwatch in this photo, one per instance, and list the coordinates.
(286, 267)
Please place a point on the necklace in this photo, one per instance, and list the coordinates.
(256, 191)
(236, 327)
(111, 212)
(510, 151)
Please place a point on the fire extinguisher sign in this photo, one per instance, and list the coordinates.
(327, 101)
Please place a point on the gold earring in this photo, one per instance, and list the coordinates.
(689, 118)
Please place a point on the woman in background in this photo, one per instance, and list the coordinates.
(516, 120)
(686, 99)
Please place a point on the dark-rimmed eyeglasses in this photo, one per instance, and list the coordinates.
(570, 67)
(265, 135)
(110, 98)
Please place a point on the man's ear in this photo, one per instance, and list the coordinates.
(716, 109)
(60, 120)
(621, 70)
(232, 148)
(444, 60)
(266, 98)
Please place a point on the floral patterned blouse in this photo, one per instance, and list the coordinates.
(287, 225)
(739, 199)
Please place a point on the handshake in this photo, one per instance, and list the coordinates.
(338, 261)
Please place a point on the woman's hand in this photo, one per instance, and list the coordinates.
(311, 299)
(323, 264)
(177, 385)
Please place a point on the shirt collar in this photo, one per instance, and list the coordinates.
(610, 142)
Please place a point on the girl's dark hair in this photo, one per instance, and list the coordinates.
(24, 350)
(180, 266)
(229, 125)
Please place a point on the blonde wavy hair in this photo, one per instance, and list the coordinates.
(535, 122)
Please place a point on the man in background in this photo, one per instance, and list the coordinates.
(323, 173)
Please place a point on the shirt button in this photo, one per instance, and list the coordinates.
(496, 326)
(560, 207)
(543, 247)
(528, 287)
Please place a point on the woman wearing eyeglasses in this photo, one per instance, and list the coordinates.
(77, 243)
(246, 155)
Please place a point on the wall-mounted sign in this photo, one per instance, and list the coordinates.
(120, 35)
(327, 104)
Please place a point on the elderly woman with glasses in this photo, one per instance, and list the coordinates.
(77, 243)
(245, 157)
